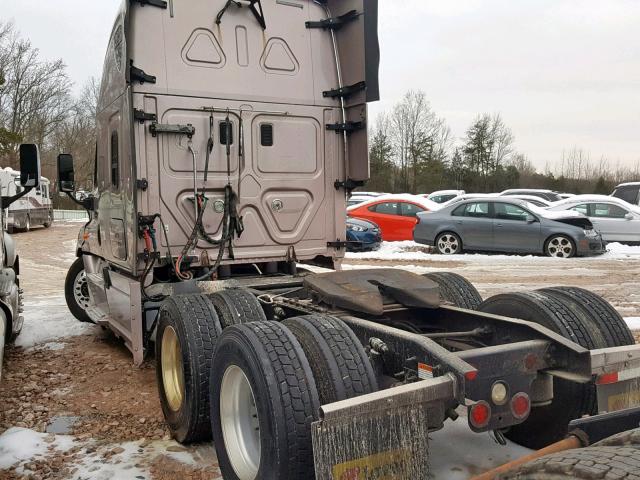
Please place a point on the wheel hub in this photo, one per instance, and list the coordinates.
(448, 244)
(81, 290)
(560, 247)
(240, 423)
(172, 371)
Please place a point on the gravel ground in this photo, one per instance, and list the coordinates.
(106, 415)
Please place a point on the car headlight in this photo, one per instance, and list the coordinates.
(590, 233)
(356, 228)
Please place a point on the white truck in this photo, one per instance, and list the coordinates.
(229, 136)
(32, 209)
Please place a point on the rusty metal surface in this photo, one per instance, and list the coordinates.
(365, 290)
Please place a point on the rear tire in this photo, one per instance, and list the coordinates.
(341, 367)
(448, 243)
(548, 424)
(456, 289)
(263, 400)
(584, 463)
(597, 310)
(76, 291)
(188, 328)
(236, 306)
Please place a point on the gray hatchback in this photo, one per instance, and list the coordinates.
(506, 225)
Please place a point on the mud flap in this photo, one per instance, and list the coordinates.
(383, 435)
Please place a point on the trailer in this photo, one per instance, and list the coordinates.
(230, 134)
(32, 209)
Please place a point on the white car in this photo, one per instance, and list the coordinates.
(629, 192)
(548, 195)
(357, 200)
(443, 196)
(615, 219)
(537, 201)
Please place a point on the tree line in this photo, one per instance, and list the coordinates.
(412, 150)
(37, 105)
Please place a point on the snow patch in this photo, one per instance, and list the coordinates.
(46, 321)
(20, 445)
(412, 251)
(633, 323)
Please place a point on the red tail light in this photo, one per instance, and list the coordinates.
(520, 405)
(480, 414)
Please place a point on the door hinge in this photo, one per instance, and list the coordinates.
(136, 73)
(153, 3)
(142, 116)
(335, 23)
(142, 184)
(345, 92)
(348, 184)
(347, 127)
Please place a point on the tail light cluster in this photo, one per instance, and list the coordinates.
(480, 412)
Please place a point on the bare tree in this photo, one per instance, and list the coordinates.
(35, 96)
(419, 136)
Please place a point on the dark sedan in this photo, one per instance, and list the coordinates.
(362, 235)
(507, 225)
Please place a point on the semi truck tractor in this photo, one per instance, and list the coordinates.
(229, 136)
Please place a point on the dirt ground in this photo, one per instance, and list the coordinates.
(88, 382)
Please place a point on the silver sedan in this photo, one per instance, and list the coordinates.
(615, 219)
(507, 225)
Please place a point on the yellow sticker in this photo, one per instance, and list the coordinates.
(391, 465)
(623, 400)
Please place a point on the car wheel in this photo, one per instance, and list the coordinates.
(27, 224)
(560, 246)
(448, 244)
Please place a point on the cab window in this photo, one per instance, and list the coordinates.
(608, 210)
(507, 211)
(474, 210)
(410, 209)
(387, 208)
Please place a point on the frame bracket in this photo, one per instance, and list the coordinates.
(335, 23)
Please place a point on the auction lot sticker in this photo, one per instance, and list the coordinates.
(382, 466)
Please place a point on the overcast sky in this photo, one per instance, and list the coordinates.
(563, 73)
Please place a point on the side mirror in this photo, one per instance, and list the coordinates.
(629, 216)
(29, 165)
(531, 219)
(66, 182)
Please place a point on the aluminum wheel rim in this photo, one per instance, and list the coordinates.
(172, 372)
(560, 247)
(81, 290)
(448, 244)
(240, 423)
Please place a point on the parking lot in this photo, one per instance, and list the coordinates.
(74, 406)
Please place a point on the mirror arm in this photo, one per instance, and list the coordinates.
(87, 203)
(7, 201)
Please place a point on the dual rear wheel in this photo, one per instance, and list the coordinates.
(253, 385)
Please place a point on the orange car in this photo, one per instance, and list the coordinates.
(395, 214)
